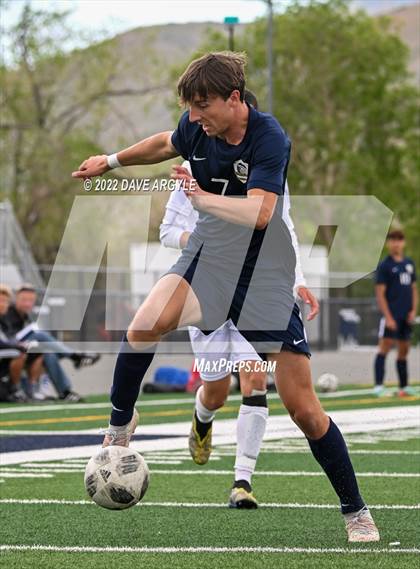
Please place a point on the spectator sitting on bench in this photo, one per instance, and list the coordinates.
(18, 318)
(14, 359)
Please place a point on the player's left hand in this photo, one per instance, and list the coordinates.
(308, 298)
(411, 317)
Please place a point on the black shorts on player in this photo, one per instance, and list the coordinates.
(402, 333)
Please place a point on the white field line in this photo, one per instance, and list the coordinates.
(218, 454)
(199, 549)
(177, 462)
(49, 433)
(50, 465)
(278, 427)
(164, 402)
(76, 466)
(75, 461)
(21, 474)
(289, 505)
(287, 473)
(15, 472)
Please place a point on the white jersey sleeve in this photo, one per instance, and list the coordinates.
(299, 277)
(180, 216)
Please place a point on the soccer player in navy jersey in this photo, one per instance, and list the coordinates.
(238, 264)
(396, 294)
(226, 346)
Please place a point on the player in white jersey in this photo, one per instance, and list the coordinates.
(221, 350)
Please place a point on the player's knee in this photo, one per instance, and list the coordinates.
(213, 401)
(136, 337)
(311, 421)
(145, 329)
(402, 352)
(385, 347)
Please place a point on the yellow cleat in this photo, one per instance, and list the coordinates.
(242, 499)
(200, 448)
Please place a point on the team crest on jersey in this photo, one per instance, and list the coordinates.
(409, 268)
(241, 170)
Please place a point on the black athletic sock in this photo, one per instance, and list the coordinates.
(402, 373)
(331, 453)
(379, 369)
(130, 369)
(202, 428)
(242, 484)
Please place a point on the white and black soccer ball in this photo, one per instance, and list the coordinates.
(116, 477)
(327, 383)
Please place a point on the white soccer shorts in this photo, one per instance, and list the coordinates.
(217, 353)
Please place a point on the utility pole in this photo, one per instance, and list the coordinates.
(231, 22)
(270, 55)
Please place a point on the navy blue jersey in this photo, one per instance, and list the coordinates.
(259, 161)
(397, 276)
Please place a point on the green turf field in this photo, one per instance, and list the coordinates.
(48, 521)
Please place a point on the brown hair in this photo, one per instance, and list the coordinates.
(396, 234)
(217, 73)
(5, 291)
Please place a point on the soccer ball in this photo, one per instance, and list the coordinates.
(116, 478)
(327, 382)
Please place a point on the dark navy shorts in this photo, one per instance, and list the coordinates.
(403, 331)
(266, 316)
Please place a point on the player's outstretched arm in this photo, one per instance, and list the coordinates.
(156, 148)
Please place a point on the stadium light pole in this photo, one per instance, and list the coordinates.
(231, 22)
(270, 96)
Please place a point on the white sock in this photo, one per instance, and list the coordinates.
(250, 430)
(204, 415)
